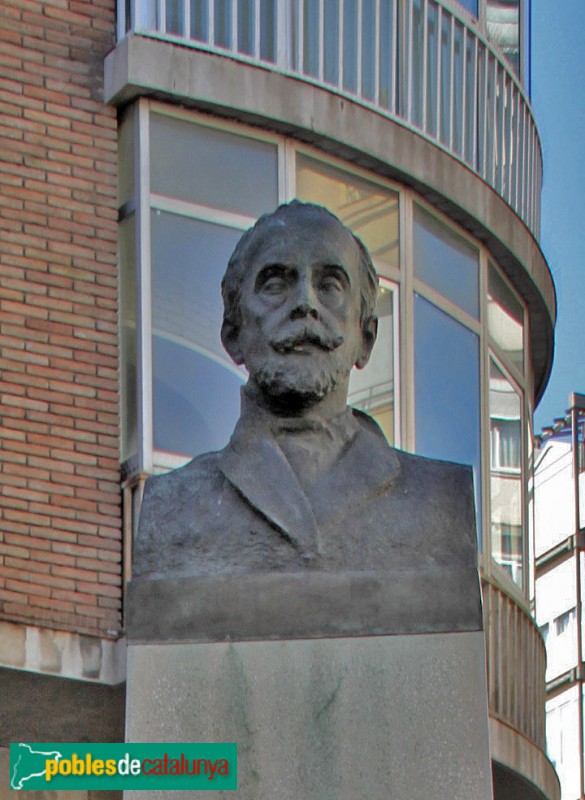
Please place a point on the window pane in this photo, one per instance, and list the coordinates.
(148, 15)
(506, 474)
(431, 74)
(445, 128)
(471, 102)
(212, 167)
(128, 393)
(246, 25)
(372, 388)
(417, 44)
(331, 33)
(311, 38)
(368, 49)
(470, 5)
(503, 26)
(126, 158)
(446, 262)
(447, 404)
(267, 30)
(195, 384)
(369, 210)
(458, 67)
(174, 16)
(350, 32)
(387, 57)
(223, 23)
(199, 20)
(505, 318)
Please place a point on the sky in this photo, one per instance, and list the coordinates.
(558, 100)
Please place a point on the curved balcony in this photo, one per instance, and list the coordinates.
(417, 62)
(516, 664)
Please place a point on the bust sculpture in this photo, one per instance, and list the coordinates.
(277, 583)
(305, 483)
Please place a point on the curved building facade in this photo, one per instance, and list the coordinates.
(411, 120)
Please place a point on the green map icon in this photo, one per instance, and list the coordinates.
(29, 763)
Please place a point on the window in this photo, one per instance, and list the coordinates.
(445, 261)
(505, 422)
(503, 25)
(506, 445)
(508, 549)
(505, 318)
(370, 210)
(564, 622)
(470, 5)
(447, 390)
(372, 388)
(506, 481)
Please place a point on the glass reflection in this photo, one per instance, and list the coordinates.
(199, 20)
(126, 134)
(458, 70)
(128, 357)
(387, 59)
(372, 389)
(224, 173)
(503, 25)
(311, 38)
(368, 35)
(446, 262)
(267, 30)
(174, 17)
(470, 5)
(350, 33)
(246, 27)
(505, 318)
(417, 81)
(223, 23)
(507, 540)
(447, 399)
(331, 33)
(432, 68)
(369, 210)
(195, 384)
(445, 127)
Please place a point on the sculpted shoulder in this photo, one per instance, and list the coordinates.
(439, 506)
(168, 512)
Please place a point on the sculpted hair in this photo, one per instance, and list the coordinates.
(231, 283)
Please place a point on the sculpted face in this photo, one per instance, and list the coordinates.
(300, 304)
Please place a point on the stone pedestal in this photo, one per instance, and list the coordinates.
(401, 717)
(363, 710)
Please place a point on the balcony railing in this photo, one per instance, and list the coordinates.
(415, 61)
(516, 663)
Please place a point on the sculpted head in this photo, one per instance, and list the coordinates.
(299, 305)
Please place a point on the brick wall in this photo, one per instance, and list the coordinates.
(60, 519)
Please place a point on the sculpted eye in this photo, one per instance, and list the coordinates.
(333, 280)
(272, 280)
(273, 286)
(331, 284)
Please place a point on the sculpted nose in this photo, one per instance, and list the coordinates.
(305, 301)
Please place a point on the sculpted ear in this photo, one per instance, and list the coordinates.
(369, 334)
(231, 341)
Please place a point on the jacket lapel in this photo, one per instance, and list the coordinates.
(366, 469)
(255, 465)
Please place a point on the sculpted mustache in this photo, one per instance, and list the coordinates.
(320, 339)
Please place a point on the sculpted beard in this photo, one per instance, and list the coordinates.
(304, 378)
